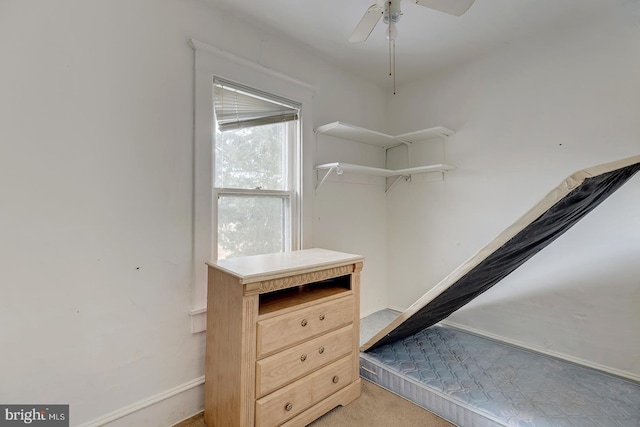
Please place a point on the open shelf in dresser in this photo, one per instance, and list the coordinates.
(273, 303)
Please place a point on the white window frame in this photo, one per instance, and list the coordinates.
(211, 62)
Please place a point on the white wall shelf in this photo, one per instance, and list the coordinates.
(340, 168)
(371, 137)
(365, 136)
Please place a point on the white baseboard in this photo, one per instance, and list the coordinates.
(398, 309)
(163, 409)
(364, 314)
(558, 355)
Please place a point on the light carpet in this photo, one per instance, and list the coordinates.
(376, 407)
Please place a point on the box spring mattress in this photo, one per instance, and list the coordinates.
(476, 382)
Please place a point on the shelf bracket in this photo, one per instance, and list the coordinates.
(326, 175)
(395, 182)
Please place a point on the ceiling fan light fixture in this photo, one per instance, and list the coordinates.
(391, 12)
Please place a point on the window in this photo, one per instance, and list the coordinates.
(256, 142)
(280, 203)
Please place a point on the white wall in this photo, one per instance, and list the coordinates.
(527, 117)
(350, 214)
(96, 182)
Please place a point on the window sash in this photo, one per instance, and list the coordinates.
(285, 197)
(257, 192)
(289, 167)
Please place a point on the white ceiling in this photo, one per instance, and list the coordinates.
(427, 39)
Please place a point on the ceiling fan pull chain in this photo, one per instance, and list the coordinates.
(394, 67)
(390, 59)
(392, 62)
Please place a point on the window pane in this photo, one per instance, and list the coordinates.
(250, 225)
(251, 158)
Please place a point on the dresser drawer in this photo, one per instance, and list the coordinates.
(282, 368)
(288, 329)
(279, 406)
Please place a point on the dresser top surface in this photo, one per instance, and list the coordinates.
(262, 267)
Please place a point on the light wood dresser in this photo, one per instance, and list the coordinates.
(282, 337)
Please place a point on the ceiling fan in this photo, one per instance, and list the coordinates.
(390, 12)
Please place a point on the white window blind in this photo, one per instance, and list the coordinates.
(238, 107)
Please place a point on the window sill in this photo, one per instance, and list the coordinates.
(198, 320)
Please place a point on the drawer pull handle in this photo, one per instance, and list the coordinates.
(303, 357)
(336, 379)
(322, 317)
(304, 322)
(321, 350)
(288, 406)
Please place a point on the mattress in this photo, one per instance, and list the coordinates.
(557, 212)
(476, 382)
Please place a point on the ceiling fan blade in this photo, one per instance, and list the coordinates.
(366, 24)
(452, 7)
